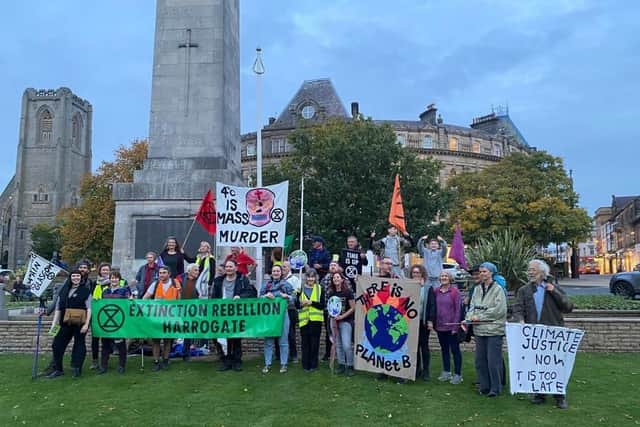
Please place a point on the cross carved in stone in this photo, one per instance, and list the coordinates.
(187, 45)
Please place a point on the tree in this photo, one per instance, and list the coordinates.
(529, 193)
(349, 169)
(45, 239)
(87, 230)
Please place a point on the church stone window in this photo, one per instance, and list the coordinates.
(308, 111)
(427, 142)
(278, 145)
(76, 130)
(45, 125)
(497, 150)
(251, 150)
(476, 146)
(453, 144)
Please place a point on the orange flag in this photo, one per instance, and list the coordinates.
(396, 213)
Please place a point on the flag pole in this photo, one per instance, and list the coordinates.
(34, 370)
(258, 69)
(301, 221)
(184, 242)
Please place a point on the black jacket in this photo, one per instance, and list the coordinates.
(242, 288)
(555, 304)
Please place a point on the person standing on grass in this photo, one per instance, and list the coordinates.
(342, 326)
(433, 255)
(277, 287)
(311, 303)
(541, 302)
(173, 256)
(325, 281)
(165, 288)
(102, 282)
(488, 314)
(74, 303)
(147, 274)
(232, 285)
(294, 281)
(188, 291)
(118, 291)
(447, 322)
(427, 315)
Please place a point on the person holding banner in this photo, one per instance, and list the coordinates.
(188, 290)
(165, 288)
(448, 306)
(147, 274)
(72, 316)
(277, 287)
(102, 282)
(427, 316)
(232, 285)
(488, 314)
(117, 290)
(542, 302)
(343, 322)
(352, 259)
(311, 303)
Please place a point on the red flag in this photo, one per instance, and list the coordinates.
(396, 213)
(206, 215)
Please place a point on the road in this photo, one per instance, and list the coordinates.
(587, 284)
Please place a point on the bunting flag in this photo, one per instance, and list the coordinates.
(206, 215)
(396, 213)
(457, 248)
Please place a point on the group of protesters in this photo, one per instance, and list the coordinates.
(481, 313)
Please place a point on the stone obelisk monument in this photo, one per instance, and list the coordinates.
(194, 131)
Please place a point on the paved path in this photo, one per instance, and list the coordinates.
(587, 284)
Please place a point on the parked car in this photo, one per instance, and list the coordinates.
(460, 276)
(626, 284)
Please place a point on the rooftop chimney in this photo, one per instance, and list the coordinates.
(355, 110)
(272, 120)
(429, 115)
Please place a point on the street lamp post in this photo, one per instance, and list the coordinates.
(258, 69)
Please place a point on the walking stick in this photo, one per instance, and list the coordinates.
(334, 341)
(34, 370)
(142, 356)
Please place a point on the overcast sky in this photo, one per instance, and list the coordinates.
(567, 69)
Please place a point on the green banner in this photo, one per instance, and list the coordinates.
(214, 318)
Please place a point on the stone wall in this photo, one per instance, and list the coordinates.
(602, 335)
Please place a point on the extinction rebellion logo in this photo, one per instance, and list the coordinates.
(110, 318)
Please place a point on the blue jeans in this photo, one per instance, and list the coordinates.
(344, 346)
(269, 344)
(449, 344)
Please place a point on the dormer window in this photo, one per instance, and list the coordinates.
(308, 111)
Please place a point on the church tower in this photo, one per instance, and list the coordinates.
(54, 153)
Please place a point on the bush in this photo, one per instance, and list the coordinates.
(604, 302)
(509, 251)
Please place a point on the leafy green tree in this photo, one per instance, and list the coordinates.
(46, 239)
(87, 230)
(528, 193)
(349, 169)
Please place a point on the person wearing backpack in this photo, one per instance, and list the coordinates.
(446, 324)
(165, 288)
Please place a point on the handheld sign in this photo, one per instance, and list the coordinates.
(298, 259)
(40, 273)
(334, 306)
(351, 263)
(541, 357)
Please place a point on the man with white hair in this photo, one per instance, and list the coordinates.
(541, 302)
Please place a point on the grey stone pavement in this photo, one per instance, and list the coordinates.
(587, 284)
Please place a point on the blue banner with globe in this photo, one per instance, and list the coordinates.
(387, 326)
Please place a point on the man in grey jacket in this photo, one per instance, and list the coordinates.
(541, 302)
(433, 255)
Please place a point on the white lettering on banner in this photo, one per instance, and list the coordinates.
(541, 357)
(251, 216)
(40, 274)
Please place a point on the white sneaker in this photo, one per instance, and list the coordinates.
(266, 369)
(444, 376)
(283, 369)
(456, 379)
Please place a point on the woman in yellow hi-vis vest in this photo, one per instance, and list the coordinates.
(310, 303)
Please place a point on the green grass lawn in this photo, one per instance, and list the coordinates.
(603, 391)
